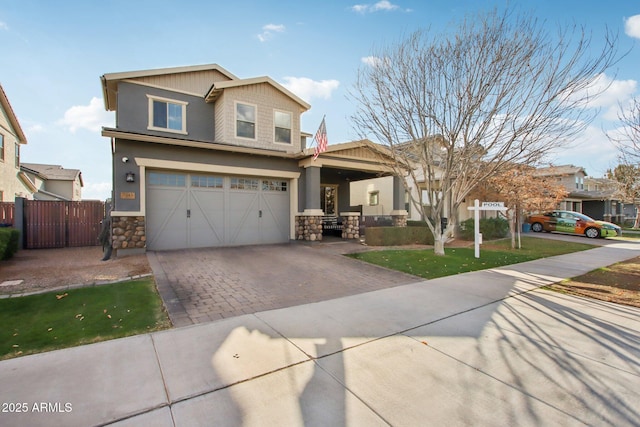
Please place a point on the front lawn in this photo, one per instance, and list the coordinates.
(37, 323)
(425, 264)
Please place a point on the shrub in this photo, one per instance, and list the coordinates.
(491, 228)
(398, 236)
(9, 239)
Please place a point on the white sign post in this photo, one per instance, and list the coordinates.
(486, 206)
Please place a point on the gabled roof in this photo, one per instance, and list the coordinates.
(362, 155)
(52, 172)
(218, 87)
(13, 120)
(110, 80)
(562, 170)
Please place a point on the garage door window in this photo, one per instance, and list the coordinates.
(244, 184)
(167, 179)
(274, 185)
(204, 181)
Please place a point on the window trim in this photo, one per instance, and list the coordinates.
(235, 120)
(17, 156)
(2, 147)
(290, 114)
(183, 104)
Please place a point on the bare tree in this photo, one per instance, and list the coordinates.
(460, 105)
(628, 176)
(627, 139)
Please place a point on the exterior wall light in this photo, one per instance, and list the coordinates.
(130, 177)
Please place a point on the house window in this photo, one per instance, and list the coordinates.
(274, 185)
(244, 184)
(166, 179)
(17, 155)
(245, 121)
(1, 146)
(374, 198)
(282, 123)
(167, 115)
(206, 181)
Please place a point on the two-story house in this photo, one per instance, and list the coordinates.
(53, 182)
(597, 198)
(12, 184)
(203, 158)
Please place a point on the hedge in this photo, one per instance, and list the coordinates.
(491, 228)
(398, 236)
(9, 239)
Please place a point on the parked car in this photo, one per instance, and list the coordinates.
(574, 223)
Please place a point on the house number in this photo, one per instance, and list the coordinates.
(130, 195)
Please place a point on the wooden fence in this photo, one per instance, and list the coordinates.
(57, 224)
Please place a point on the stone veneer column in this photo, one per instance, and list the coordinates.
(128, 232)
(309, 225)
(350, 225)
(399, 218)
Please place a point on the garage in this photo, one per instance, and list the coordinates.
(193, 210)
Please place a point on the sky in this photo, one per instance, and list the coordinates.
(54, 52)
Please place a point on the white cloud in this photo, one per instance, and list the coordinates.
(372, 61)
(268, 31)
(607, 93)
(382, 5)
(592, 150)
(632, 26)
(91, 117)
(4, 26)
(307, 89)
(96, 190)
(37, 128)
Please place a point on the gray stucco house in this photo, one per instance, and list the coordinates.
(202, 158)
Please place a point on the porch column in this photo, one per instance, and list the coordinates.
(312, 188)
(398, 213)
(308, 224)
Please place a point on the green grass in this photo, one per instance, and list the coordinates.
(426, 264)
(37, 323)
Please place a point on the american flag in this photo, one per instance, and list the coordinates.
(321, 140)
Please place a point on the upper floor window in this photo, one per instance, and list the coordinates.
(1, 146)
(167, 115)
(282, 121)
(245, 121)
(17, 155)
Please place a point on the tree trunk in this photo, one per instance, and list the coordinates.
(438, 246)
(636, 224)
(438, 240)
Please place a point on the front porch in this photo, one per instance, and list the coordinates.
(325, 207)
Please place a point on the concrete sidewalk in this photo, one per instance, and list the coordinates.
(482, 348)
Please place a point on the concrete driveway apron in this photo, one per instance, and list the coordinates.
(201, 285)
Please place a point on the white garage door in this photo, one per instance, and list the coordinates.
(190, 210)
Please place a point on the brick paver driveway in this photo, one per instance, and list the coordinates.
(200, 285)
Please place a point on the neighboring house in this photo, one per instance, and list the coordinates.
(598, 198)
(376, 197)
(203, 158)
(604, 201)
(572, 178)
(12, 184)
(53, 182)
